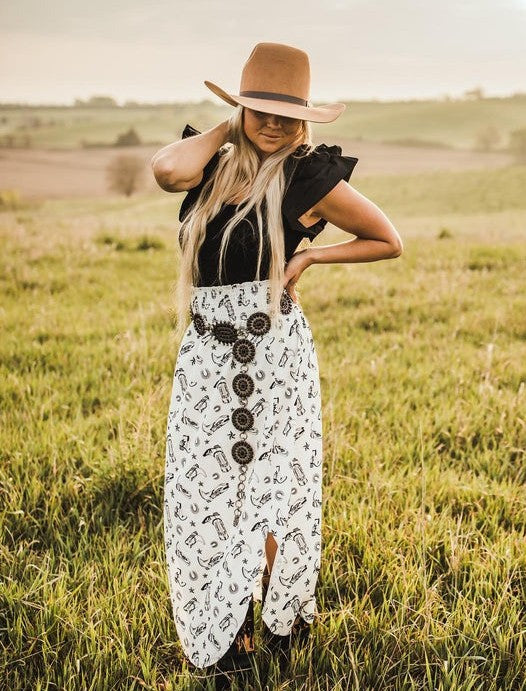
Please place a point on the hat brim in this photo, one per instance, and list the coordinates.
(325, 113)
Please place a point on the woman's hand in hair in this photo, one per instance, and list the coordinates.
(294, 268)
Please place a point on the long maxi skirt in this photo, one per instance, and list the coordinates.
(243, 458)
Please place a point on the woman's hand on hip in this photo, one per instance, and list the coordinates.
(294, 268)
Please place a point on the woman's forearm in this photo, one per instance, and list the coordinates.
(357, 250)
(185, 159)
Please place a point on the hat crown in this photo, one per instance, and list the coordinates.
(277, 68)
(276, 79)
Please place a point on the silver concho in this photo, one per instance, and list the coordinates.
(258, 323)
(242, 452)
(244, 350)
(243, 385)
(242, 418)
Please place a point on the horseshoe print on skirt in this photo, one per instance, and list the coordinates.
(243, 350)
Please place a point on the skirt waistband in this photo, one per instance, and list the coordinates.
(234, 302)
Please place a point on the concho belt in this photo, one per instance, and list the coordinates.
(243, 350)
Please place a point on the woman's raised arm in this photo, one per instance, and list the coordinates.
(179, 166)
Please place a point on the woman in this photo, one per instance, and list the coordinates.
(244, 434)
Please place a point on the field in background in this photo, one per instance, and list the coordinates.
(422, 361)
(45, 174)
(70, 148)
(453, 123)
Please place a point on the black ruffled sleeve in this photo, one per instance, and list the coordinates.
(313, 178)
(192, 194)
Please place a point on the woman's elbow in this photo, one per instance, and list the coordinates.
(162, 178)
(396, 244)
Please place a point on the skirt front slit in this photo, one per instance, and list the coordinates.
(243, 458)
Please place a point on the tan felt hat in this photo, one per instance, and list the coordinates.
(276, 79)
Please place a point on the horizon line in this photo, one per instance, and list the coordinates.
(469, 95)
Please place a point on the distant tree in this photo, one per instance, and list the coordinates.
(102, 102)
(487, 138)
(129, 138)
(518, 144)
(474, 94)
(125, 173)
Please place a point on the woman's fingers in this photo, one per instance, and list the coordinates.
(292, 291)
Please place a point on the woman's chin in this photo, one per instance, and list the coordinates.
(268, 148)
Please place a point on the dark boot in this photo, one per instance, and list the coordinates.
(265, 579)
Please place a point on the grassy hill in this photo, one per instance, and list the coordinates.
(453, 123)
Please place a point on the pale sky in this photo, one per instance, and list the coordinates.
(56, 51)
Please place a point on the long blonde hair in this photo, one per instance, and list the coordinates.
(239, 173)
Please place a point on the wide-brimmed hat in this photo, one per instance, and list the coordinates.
(276, 79)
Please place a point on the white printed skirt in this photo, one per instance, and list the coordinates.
(243, 458)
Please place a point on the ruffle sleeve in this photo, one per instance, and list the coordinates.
(192, 194)
(313, 177)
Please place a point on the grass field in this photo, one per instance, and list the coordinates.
(452, 123)
(422, 361)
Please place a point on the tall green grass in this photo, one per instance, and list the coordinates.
(422, 361)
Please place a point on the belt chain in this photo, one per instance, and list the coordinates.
(243, 350)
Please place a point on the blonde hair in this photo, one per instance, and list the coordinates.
(239, 172)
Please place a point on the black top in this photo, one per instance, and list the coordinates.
(308, 179)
